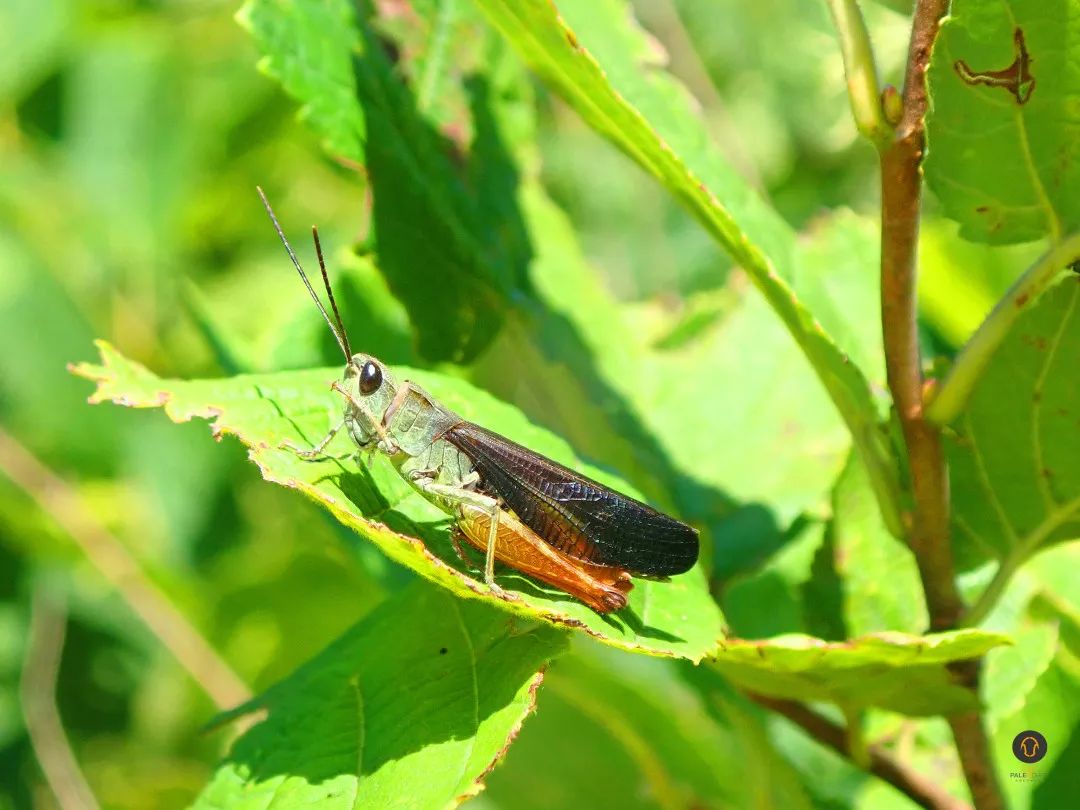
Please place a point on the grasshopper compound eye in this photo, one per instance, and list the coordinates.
(370, 378)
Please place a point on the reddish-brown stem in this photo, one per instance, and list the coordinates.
(920, 790)
(901, 187)
(901, 183)
(973, 746)
(976, 760)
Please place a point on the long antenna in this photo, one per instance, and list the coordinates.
(339, 336)
(330, 291)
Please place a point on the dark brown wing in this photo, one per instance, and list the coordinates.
(576, 515)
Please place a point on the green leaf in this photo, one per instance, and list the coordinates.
(611, 380)
(799, 430)
(432, 226)
(342, 732)
(611, 71)
(1054, 571)
(1002, 155)
(613, 730)
(654, 422)
(1011, 673)
(31, 35)
(779, 583)
(1050, 704)
(894, 671)
(599, 62)
(1051, 707)
(308, 49)
(953, 300)
(1015, 468)
(767, 773)
(881, 585)
(676, 618)
(838, 281)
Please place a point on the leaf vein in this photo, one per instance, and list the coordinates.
(473, 666)
(978, 539)
(984, 480)
(361, 738)
(1038, 411)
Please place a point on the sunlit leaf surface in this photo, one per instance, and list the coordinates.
(894, 671)
(676, 618)
(1015, 466)
(341, 732)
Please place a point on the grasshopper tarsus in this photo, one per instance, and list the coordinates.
(310, 454)
(313, 453)
(499, 592)
(467, 561)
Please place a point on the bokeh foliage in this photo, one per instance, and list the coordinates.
(498, 237)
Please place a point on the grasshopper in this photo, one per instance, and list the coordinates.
(519, 507)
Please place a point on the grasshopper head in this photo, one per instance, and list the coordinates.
(371, 388)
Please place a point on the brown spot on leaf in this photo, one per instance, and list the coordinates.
(982, 209)
(1016, 78)
(1041, 344)
(1021, 300)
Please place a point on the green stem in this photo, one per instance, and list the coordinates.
(952, 396)
(1019, 554)
(861, 73)
(858, 749)
(989, 597)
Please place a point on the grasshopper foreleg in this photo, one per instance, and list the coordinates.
(314, 452)
(460, 496)
(386, 444)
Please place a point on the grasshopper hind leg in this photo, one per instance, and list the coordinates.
(459, 496)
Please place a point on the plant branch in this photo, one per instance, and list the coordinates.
(973, 745)
(901, 183)
(950, 398)
(901, 190)
(57, 498)
(37, 691)
(861, 73)
(920, 790)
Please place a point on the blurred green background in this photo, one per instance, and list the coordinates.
(132, 135)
